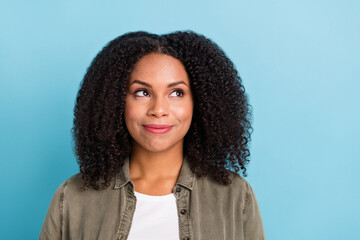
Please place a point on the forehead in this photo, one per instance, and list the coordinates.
(154, 67)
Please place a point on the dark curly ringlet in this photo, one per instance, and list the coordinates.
(219, 135)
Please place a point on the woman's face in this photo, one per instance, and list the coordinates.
(159, 103)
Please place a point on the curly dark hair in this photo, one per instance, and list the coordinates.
(220, 131)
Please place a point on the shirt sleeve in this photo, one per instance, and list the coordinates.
(252, 224)
(51, 228)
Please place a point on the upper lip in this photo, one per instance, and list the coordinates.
(157, 126)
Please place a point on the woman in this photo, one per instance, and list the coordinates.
(158, 122)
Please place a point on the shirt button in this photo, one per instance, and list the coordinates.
(183, 211)
(178, 189)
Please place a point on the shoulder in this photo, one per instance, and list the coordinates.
(238, 183)
(52, 226)
(238, 192)
(72, 190)
(248, 204)
(74, 183)
(238, 195)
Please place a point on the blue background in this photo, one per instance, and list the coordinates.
(299, 61)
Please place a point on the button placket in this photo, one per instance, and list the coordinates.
(126, 220)
(182, 203)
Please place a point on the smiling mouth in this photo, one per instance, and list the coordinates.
(158, 129)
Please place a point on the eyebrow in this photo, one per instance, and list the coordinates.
(148, 85)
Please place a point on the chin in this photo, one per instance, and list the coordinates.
(157, 145)
(160, 146)
(157, 148)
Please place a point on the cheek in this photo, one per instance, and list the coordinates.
(131, 113)
(185, 112)
(127, 110)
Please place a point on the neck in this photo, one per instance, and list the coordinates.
(155, 165)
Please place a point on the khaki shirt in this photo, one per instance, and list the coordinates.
(207, 210)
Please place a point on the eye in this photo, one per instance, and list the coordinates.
(145, 93)
(178, 93)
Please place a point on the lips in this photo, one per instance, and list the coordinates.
(157, 129)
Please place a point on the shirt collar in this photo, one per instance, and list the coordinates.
(186, 176)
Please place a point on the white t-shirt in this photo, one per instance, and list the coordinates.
(155, 218)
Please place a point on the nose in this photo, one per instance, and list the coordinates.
(158, 107)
